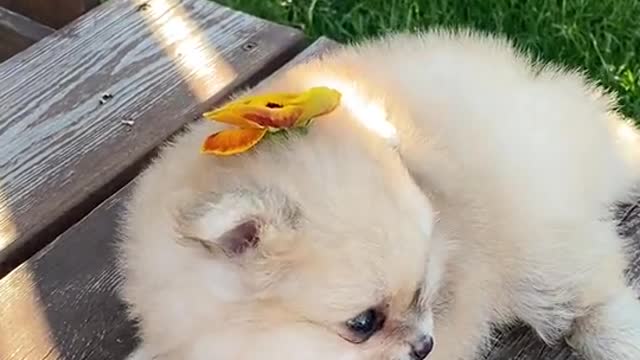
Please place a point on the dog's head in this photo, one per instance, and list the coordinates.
(317, 248)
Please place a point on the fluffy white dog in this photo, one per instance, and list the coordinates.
(458, 185)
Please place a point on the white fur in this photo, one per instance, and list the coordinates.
(518, 163)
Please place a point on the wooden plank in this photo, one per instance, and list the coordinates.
(157, 64)
(61, 304)
(18, 33)
(319, 47)
(52, 13)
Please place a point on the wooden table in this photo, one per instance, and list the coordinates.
(80, 112)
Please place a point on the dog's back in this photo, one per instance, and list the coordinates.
(522, 161)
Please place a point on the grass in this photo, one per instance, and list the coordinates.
(599, 36)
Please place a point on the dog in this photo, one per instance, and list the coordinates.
(460, 184)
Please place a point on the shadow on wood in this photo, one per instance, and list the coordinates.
(53, 13)
(18, 32)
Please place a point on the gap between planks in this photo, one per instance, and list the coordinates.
(18, 32)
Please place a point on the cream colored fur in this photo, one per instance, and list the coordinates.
(488, 190)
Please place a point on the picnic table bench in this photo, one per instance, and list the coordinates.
(82, 108)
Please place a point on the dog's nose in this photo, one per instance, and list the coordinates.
(421, 347)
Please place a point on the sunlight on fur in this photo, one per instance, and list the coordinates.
(204, 70)
(626, 132)
(370, 113)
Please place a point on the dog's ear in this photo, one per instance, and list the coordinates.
(232, 224)
(240, 238)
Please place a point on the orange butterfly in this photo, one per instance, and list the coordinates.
(255, 116)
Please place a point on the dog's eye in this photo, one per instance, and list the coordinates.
(363, 326)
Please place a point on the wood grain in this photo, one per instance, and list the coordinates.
(18, 32)
(317, 49)
(54, 13)
(65, 149)
(61, 303)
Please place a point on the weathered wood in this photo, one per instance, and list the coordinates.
(157, 64)
(319, 47)
(61, 303)
(18, 32)
(54, 13)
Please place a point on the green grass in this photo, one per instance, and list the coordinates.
(599, 36)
